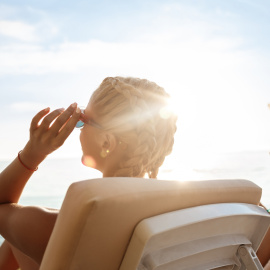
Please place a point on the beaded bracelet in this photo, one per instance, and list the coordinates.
(19, 158)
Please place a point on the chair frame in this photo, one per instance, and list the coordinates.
(202, 237)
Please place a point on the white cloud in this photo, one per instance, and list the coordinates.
(21, 31)
(18, 30)
(74, 56)
(216, 82)
(174, 34)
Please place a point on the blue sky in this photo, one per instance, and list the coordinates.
(212, 56)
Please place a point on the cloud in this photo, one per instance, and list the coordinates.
(165, 36)
(18, 30)
(75, 56)
(199, 58)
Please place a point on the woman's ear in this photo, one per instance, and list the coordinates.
(108, 144)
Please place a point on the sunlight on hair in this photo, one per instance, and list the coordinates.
(165, 112)
(168, 110)
(88, 161)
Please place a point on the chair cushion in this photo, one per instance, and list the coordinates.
(98, 216)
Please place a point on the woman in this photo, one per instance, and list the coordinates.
(127, 131)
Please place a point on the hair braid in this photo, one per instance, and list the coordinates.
(130, 108)
(140, 155)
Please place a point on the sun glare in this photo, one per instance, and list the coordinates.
(165, 112)
(169, 110)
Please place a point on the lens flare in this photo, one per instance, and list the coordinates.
(165, 112)
(88, 161)
(170, 109)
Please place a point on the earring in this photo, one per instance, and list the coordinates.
(104, 153)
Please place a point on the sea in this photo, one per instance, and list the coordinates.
(48, 185)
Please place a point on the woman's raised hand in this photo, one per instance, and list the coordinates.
(49, 134)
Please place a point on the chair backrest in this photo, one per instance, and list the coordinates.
(98, 217)
(198, 238)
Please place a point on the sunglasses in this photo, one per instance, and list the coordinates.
(86, 120)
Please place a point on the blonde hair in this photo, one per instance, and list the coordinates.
(131, 108)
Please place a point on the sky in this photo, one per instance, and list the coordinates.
(211, 56)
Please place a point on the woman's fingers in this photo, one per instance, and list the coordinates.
(61, 121)
(47, 121)
(68, 128)
(53, 130)
(37, 118)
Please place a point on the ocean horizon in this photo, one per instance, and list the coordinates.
(50, 182)
(48, 185)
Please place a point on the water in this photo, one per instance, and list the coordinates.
(253, 165)
(48, 185)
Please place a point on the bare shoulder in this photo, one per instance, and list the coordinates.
(27, 228)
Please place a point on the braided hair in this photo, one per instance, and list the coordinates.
(131, 108)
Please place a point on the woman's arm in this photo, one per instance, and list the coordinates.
(44, 139)
(29, 228)
(7, 259)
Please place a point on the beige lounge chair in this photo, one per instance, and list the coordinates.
(132, 223)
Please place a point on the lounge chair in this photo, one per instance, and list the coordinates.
(133, 223)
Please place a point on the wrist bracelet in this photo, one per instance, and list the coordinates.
(19, 158)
